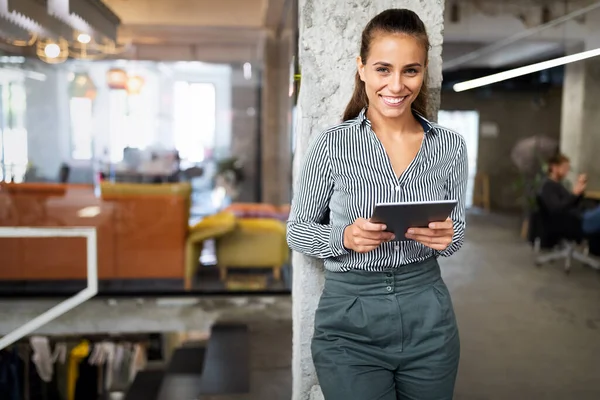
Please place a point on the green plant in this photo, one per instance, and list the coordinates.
(231, 166)
(527, 186)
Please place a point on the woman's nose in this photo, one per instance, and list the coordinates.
(396, 84)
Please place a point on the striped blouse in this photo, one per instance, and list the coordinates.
(346, 171)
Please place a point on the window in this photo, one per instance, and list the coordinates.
(194, 119)
(132, 122)
(13, 135)
(81, 128)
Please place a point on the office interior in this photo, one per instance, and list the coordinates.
(148, 151)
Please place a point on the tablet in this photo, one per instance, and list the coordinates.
(398, 217)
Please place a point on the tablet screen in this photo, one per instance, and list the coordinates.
(399, 217)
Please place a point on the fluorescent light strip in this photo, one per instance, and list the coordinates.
(528, 69)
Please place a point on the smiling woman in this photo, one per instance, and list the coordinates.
(385, 318)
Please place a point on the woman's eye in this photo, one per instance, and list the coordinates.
(383, 69)
(412, 71)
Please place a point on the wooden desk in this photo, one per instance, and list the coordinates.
(593, 194)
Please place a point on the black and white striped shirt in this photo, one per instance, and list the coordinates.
(346, 171)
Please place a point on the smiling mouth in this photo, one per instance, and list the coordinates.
(393, 101)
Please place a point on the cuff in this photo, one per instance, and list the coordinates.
(336, 241)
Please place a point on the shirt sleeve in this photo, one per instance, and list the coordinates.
(456, 190)
(308, 229)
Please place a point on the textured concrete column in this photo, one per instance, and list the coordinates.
(580, 122)
(329, 43)
(580, 134)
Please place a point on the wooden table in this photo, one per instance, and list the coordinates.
(593, 194)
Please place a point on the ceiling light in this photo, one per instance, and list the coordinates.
(528, 69)
(52, 50)
(84, 38)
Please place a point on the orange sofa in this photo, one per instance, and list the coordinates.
(141, 230)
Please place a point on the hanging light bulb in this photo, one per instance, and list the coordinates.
(135, 84)
(84, 38)
(52, 50)
(116, 78)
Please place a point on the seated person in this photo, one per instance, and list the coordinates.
(561, 202)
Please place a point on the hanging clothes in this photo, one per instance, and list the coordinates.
(78, 354)
(42, 357)
(11, 381)
(86, 387)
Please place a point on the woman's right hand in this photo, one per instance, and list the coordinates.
(363, 236)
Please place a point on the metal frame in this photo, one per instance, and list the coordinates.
(567, 251)
(67, 305)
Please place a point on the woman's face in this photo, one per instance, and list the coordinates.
(393, 73)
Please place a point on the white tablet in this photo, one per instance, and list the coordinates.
(398, 217)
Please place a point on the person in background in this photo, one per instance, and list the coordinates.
(559, 201)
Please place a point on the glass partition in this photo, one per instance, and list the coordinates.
(160, 157)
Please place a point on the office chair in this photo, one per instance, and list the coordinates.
(563, 235)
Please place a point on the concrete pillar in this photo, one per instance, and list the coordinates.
(330, 34)
(580, 122)
(276, 159)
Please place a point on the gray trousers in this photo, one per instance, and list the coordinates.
(386, 335)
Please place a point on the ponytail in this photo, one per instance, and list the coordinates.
(421, 103)
(358, 101)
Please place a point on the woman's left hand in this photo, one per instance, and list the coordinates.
(438, 235)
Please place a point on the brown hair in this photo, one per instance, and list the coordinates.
(556, 160)
(396, 20)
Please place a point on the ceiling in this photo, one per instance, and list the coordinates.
(231, 31)
(474, 31)
(221, 13)
(235, 31)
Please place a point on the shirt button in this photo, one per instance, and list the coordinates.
(389, 288)
(397, 248)
(398, 188)
(388, 274)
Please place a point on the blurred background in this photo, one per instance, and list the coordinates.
(169, 127)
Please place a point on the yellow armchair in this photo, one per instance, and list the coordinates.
(211, 227)
(254, 243)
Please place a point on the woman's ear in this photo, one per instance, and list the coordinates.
(360, 67)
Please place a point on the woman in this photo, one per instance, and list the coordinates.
(385, 326)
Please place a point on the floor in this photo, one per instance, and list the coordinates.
(526, 332)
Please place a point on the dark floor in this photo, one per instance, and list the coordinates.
(526, 332)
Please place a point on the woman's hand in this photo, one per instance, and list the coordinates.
(363, 236)
(438, 235)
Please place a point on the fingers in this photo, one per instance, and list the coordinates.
(435, 242)
(447, 224)
(368, 236)
(429, 232)
(365, 244)
(366, 225)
